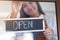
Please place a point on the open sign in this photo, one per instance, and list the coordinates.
(25, 24)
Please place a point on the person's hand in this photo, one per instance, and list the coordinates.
(48, 33)
(31, 9)
(16, 6)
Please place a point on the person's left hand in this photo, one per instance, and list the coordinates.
(31, 9)
(48, 33)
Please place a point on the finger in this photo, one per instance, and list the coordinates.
(20, 5)
(48, 30)
(15, 6)
(48, 34)
(30, 8)
(34, 10)
(29, 5)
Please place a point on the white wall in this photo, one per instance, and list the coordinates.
(48, 7)
(5, 8)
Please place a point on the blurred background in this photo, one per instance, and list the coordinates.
(6, 9)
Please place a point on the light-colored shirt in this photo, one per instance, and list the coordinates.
(51, 22)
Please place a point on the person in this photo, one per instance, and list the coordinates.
(31, 10)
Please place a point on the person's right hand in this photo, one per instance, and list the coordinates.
(16, 6)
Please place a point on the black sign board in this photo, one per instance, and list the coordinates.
(25, 25)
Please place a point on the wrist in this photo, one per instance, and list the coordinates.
(35, 15)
